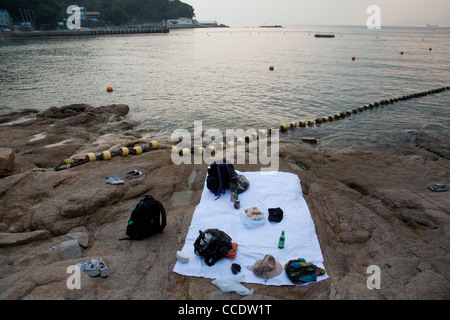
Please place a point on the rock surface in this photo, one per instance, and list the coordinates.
(369, 203)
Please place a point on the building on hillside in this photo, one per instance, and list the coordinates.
(179, 22)
(5, 18)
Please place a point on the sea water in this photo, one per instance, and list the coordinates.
(221, 76)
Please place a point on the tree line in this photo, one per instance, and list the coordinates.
(117, 12)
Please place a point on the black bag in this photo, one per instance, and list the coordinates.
(219, 176)
(275, 214)
(147, 219)
(212, 245)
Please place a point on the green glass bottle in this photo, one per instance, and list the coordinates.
(282, 240)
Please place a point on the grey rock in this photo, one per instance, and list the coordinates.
(70, 250)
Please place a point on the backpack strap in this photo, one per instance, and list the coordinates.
(220, 190)
(163, 216)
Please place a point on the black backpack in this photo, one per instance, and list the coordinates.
(219, 177)
(212, 245)
(147, 219)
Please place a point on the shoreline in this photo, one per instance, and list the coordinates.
(369, 202)
(77, 33)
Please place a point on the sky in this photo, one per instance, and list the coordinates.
(321, 12)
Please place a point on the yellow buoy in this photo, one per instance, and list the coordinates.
(199, 150)
(310, 122)
(153, 144)
(337, 116)
(91, 157)
(173, 149)
(319, 120)
(293, 124)
(212, 149)
(106, 155)
(124, 151)
(68, 161)
(263, 132)
(283, 127)
(231, 144)
(137, 150)
(222, 146)
(185, 151)
(240, 141)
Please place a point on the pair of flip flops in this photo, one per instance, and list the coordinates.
(438, 187)
(130, 175)
(94, 267)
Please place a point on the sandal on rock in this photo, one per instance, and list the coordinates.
(103, 269)
(113, 180)
(133, 174)
(438, 187)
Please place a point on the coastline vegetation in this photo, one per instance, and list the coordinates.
(117, 12)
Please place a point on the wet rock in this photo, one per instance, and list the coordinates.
(309, 140)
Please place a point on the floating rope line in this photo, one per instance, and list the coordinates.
(342, 115)
(137, 150)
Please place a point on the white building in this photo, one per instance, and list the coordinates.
(179, 22)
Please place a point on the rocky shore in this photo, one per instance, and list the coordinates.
(370, 204)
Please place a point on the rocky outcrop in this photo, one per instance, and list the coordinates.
(6, 160)
(369, 203)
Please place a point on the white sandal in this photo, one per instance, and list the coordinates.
(103, 269)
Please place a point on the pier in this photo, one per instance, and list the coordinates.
(72, 33)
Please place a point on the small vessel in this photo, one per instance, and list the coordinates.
(322, 35)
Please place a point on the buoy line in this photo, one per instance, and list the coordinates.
(137, 150)
(342, 115)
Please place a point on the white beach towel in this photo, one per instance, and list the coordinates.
(279, 189)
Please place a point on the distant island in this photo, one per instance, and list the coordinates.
(275, 26)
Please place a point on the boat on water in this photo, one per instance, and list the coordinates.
(322, 35)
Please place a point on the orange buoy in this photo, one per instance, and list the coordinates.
(109, 89)
(353, 58)
(401, 52)
(429, 49)
(271, 68)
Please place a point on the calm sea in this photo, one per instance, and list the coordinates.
(222, 77)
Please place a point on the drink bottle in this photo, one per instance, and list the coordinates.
(282, 240)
